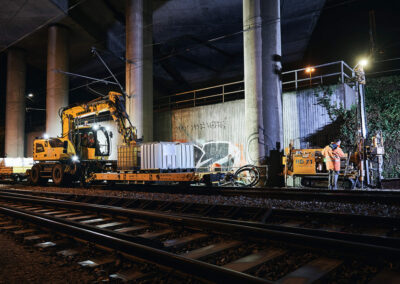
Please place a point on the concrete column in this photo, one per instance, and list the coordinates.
(139, 67)
(263, 100)
(57, 83)
(252, 47)
(272, 86)
(15, 104)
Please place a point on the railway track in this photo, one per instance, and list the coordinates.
(351, 227)
(300, 194)
(219, 248)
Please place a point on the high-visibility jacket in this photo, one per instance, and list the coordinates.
(332, 158)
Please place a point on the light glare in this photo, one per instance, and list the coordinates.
(310, 69)
(363, 62)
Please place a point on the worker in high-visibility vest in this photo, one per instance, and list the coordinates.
(332, 154)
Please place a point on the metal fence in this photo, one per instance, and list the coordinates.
(329, 73)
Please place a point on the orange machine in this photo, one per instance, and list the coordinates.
(308, 164)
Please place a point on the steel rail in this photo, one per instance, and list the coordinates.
(218, 226)
(390, 197)
(270, 213)
(198, 268)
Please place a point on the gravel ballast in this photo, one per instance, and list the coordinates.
(24, 264)
(370, 208)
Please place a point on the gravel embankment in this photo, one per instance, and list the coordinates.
(24, 264)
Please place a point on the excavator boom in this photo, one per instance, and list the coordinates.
(115, 104)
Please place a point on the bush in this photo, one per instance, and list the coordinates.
(382, 103)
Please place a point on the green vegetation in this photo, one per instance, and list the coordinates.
(383, 111)
(382, 100)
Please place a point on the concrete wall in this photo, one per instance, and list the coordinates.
(218, 130)
(305, 121)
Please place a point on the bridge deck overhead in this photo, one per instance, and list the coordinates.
(181, 29)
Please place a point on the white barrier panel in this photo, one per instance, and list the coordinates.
(167, 155)
(16, 162)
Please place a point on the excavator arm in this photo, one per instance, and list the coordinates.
(115, 104)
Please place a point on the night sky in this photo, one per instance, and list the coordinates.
(342, 32)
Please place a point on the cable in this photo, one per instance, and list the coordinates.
(385, 71)
(95, 92)
(385, 60)
(15, 14)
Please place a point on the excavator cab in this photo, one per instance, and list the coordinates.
(92, 143)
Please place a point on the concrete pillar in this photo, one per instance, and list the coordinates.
(271, 83)
(263, 105)
(139, 67)
(57, 83)
(15, 104)
(252, 47)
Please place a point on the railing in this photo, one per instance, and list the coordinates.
(334, 72)
(329, 73)
(204, 96)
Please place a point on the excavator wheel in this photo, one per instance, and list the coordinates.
(34, 176)
(58, 174)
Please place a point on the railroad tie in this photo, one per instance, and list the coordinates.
(110, 225)
(129, 276)
(43, 210)
(93, 263)
(84, 217)
(311, 272)
(68, 214)
(252, 261)
(10, 228)
(55, 212)
(211, 250)
(179, 242)
(51, 244)
(36, 237)
(24, 232)
(155, 234)
(72, 252)
(131, 229)
(96, 220)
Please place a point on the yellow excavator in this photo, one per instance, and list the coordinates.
(81, 149)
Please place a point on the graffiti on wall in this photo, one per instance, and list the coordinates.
(223, 153)
(203, 125)
(210, 150)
